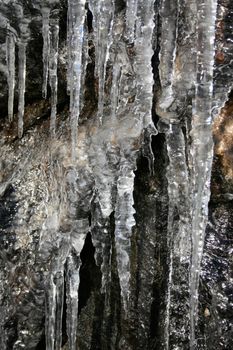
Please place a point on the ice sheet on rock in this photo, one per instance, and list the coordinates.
(10, 54)
(53, 58)
(202, 145)
(76, 18)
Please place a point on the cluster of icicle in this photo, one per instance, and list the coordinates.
(21, 39)
(50, 31)
(113, 168)
(188, 180)
(188, 188)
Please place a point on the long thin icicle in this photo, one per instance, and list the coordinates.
(10, 52)
(116, 74)
(46, 47)
(124, 221)
(169, 14)
(53, 58)
(72, 281)
(55, 310)
(202, 147)
(22, 46)
(104, 40)
(55, 292)
(178, 240)
(76, 13)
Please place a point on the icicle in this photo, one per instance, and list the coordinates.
(53, 57)
(131, 14)
(22, 46)
(202, 146)
(55, 289)
(115, 88)
(101, 241)
(10, 47)
(79, 231)
(178, 239)
(72, 282)
(76, 13)
(143, 68)
(124, 221)
(169, 13)
(103, 43)
(55, 297)
(68, 42)
(85, 58)
(46, 47)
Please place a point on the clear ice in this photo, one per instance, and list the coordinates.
(202, 146)
(45, 11)
(10, 47)
(76, 18)
(22, 47)
(97, 172)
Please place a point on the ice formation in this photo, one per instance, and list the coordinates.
(76, 17)
(10, 47)
(94, 172)
(45, 11)
(202, 145)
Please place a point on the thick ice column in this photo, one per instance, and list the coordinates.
(10, 54)
(22, 46)
(202, 145)
(76, 13)
(53, 81)
(45, 11)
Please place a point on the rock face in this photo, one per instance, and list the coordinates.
(116, 163)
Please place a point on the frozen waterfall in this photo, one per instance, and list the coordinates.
(132, 75)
